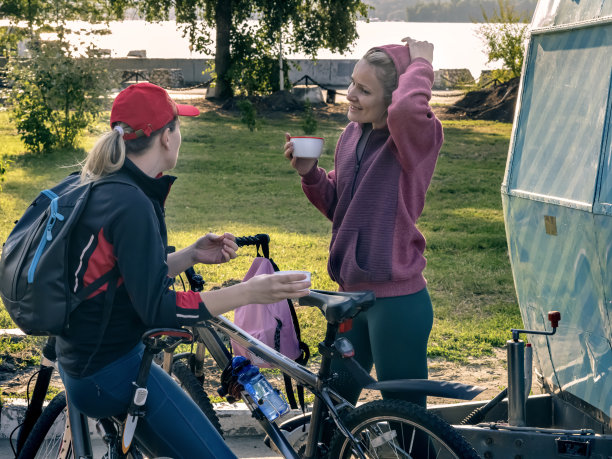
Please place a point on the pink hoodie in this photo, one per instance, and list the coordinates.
(375, 243)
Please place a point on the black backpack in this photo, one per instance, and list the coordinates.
(33, 267)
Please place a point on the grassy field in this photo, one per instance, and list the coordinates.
(231, 179)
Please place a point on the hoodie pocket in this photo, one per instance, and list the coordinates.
(348, 262)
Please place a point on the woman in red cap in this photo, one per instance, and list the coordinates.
(384, 162)
(123, 229)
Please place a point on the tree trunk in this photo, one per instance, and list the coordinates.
(223, 19)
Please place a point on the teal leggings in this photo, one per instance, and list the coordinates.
(392, 335)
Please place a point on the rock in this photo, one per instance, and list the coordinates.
(452, 78)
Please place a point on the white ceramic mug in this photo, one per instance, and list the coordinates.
(307, 147)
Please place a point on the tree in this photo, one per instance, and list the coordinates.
(504, 34)
(249, 33)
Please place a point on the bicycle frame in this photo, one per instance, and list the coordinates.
(326, 399)
(324, 396)
(77, 426)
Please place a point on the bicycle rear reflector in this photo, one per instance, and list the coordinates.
(345, 326)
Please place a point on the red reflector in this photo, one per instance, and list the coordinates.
(347, 355)
(345, 326)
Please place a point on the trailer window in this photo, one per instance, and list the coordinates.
(561, 125)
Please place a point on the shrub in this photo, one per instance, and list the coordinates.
(4, 164)
(55, 95)
(309, 122)
(248, 114)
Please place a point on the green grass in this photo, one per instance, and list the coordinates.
(231, 179)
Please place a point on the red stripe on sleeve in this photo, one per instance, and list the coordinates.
(188, 300)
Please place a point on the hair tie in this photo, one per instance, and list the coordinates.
(119, 129)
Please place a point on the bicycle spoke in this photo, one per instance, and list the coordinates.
(399, 430)
(382, 438)
(52, 444)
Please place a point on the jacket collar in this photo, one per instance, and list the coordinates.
(156, 188)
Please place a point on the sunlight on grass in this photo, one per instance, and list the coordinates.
(487, 215)
(234, 180)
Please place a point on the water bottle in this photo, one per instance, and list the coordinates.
(270, 401)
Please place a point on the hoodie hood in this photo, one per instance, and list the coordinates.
(399, 54)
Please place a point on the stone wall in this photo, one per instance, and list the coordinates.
(167, 78)
(333, 73)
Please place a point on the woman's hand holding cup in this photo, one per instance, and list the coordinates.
(301, 165)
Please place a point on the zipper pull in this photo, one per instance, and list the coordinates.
(49, 228)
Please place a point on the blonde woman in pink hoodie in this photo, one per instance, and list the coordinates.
(384, 162)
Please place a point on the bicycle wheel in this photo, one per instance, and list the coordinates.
(398, 429)
(46, 440)
(189, 382)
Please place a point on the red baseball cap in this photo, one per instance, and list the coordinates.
(145, 108)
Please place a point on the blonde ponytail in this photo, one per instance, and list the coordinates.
(106, 156)
(109, 152)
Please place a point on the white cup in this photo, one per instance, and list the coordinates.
(307, 147)
(307, 273)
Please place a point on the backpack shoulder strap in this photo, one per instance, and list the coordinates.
(114, 178)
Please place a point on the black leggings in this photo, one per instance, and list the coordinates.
(392, 335)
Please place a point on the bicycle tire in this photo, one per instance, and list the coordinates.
(394, 428)
(47, 436)
(190, 383)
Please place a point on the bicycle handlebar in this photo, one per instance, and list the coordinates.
(258, 239)
(196, 282)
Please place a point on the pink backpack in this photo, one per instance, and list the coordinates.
(273, 324)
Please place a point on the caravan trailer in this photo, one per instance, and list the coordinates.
(557, 203)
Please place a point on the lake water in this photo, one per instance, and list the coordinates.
(456, 45)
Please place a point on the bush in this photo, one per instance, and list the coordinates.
(56, 95)
(248, 114)
(4, 164)
(309, 122)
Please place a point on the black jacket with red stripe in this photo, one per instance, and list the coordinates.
(123, 226)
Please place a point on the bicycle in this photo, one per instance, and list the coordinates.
(182, 373)
(61, 431)
(335, 428)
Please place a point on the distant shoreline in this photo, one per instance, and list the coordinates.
(456, 44)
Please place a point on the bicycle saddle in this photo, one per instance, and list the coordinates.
(338, 306)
